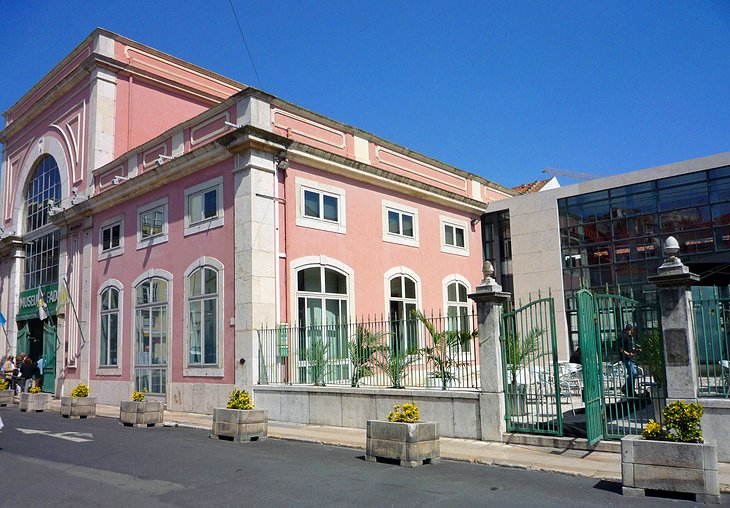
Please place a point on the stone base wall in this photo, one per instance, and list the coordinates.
(110, 392)
(715, 424)
(457, 413)
(198, 397)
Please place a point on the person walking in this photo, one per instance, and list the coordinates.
(628, 350)
(39, 366)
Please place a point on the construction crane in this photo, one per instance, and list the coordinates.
(570, 174)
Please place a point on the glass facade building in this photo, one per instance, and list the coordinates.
(613, 239)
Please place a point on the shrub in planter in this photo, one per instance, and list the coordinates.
(672, 457)
(239, 421)
(6, 394)
(34, 400)
(403, 438)
(140, 413)
(78, 404)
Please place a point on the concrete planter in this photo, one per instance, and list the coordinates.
(140, 414)
(517, 399)
(34, 402)
(6, 397)
(78, 407)
(240, 425)
(669, 466)
(411, 444)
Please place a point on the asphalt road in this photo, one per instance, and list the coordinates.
(50, 461)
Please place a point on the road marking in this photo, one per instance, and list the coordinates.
(76, 437)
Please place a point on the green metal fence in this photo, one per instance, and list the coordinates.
(440, 352)
(530, 369)
(711, 320)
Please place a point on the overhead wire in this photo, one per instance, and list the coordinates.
(243, 37)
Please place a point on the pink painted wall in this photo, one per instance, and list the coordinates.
(175, 256)
(145, 110)
(362, 248)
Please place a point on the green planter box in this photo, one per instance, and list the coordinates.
(669, 466)
(240, 425)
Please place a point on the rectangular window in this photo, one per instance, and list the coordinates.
(454, 239)
(320, 206)
(400, 224)
(111, 237)
(151, 222)
(454, 236)
(204, 206)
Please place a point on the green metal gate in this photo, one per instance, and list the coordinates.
(623, 364)
(50, 346)
(530, 369)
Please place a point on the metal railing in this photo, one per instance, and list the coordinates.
(711, 319)
(417, 352)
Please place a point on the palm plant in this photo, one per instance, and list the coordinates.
(518, 350)
(394, 362)
(361, 349)
(443, 344)
(317, 361)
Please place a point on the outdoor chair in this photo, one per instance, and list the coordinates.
(571, 381)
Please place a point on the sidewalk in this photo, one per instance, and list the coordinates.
(598, 465)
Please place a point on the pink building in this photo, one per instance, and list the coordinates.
(165, 213)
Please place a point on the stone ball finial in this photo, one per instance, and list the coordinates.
(487, 270)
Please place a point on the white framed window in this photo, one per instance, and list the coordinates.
(109, 331)
(454, 236)
(402, 297)
(458, 317)
(111, 237)
(320, 206)
(204, 206)
(152, 327)
(152, 223)
(204, 327)
(400, 224)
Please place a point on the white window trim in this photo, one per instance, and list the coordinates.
(110, 370)
(458, 223)
(204, 370)
(400, 239)
(302, 220)
(155, 240)
(116, 251)
(215, 222)
(148, 274)
(324, 262)
(394, 272)
(454, 277)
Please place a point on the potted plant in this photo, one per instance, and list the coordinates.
(361, 350)
(317, 361)
(517, 352)
(652, 361)
(671, 457)
(6, 394)
(140, 413)
(239, 421)
(403, 438)
(78, 404)
(34, 400)
(441, 351)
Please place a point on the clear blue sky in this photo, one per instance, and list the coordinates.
(502, 89)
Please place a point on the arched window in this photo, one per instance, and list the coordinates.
(41, 250)
(109, 327)
(151, 331)
(203, 316)
(403, 302)
(457, 307)
(322, 306)
(45, 185)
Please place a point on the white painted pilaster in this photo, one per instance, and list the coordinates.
(102, 118)
(362, 149)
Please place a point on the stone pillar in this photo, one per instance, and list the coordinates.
(490, 298)
(673, 282)
(255, 258)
